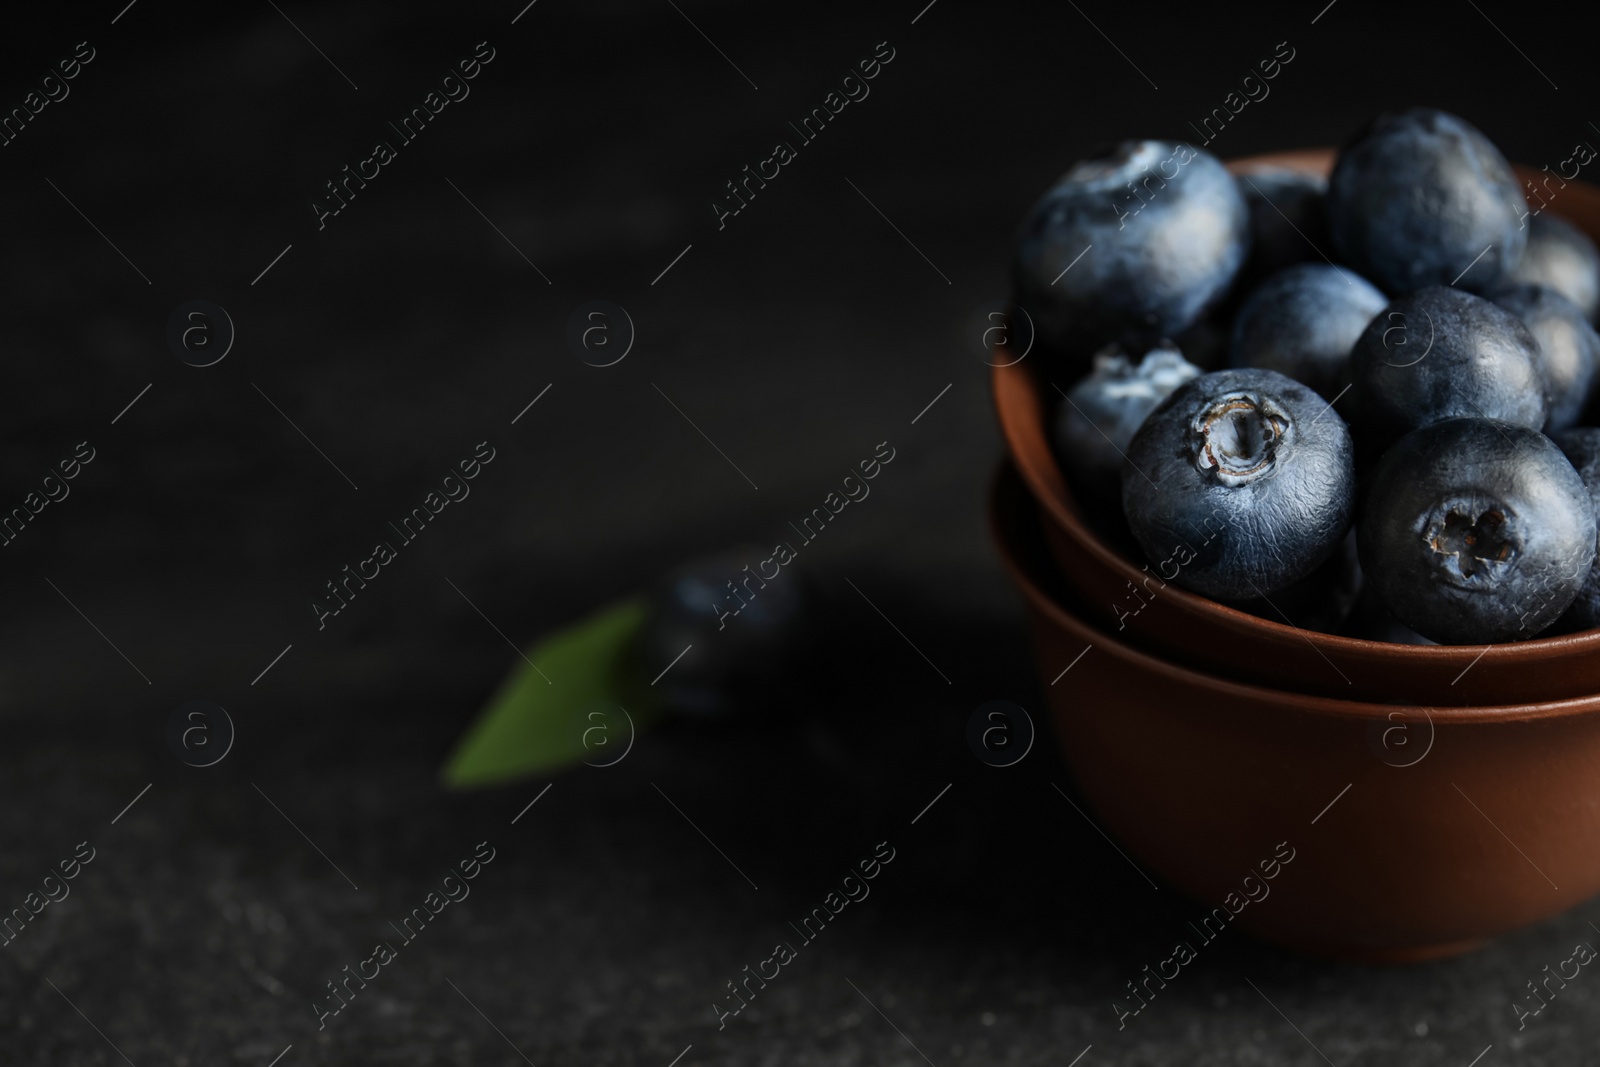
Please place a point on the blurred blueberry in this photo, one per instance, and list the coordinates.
(1561, 257)
(1441, 353)
(1288, 219)
(1569, 350)
(1161, 231)
(1418, 197)
(1477, 531)
(1099, 416)
(1582, 447)
(738, 635)
(1303, 322)
(1240, 483)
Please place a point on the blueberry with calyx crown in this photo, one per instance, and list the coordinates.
(1476, 531)
(1239, 484)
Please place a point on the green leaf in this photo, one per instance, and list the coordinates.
(582, 702)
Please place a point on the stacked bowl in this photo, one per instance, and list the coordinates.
(1433, 795)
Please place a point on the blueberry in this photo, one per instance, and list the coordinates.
(1303, 321)
(1161, 231)
(1440, 353)
(1288, 218)
(1099, 416)
(1569, 350)
(1239, 483)
(1418, 197)
(1476, 531)
(1582, 447)
(1561, 257)
(738, 631)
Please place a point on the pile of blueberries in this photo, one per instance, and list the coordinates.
(1368, 390)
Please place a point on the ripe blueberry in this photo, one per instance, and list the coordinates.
(1440, 353)
(1419, 197)
(1099, 416)
(1569, 350)
(1130, 247)
(1303, 321)
(1476, 531)
(1560, 256)
(1239, 483)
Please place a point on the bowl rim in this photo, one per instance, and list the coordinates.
(1004, 499)
(1018, 391)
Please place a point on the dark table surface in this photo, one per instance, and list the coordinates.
(377, 351)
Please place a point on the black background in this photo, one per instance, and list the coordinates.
(797, 338)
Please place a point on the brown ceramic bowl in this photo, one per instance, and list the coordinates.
(1415, 832)
(1213, 637)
